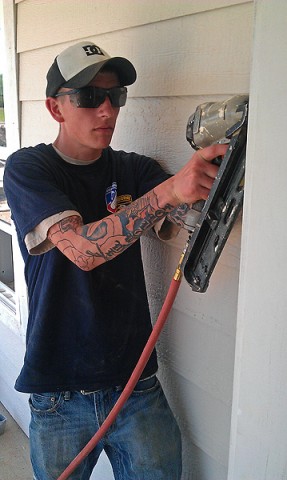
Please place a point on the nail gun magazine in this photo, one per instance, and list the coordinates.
(209, 223)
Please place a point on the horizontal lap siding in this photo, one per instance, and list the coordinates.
(47, 22)
(207, 53)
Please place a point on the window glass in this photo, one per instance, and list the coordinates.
(2, 111)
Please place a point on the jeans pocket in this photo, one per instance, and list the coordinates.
(146, 385)
(47, 402)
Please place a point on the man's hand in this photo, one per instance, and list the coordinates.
(194, 181)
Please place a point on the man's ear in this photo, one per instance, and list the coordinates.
(54, 108)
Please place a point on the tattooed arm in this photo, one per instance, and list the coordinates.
(88, 246)
(170, 226)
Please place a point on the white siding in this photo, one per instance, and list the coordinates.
(185, 53)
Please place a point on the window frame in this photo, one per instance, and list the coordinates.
(10, 90)
(17, 319)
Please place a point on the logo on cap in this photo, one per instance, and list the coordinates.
(93, 50)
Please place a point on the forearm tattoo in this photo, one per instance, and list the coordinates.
(177, 215)
(90, 245)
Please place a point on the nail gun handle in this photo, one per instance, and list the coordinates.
(192, 217)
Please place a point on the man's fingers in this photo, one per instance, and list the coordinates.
(210, 153)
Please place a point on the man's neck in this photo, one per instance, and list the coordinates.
(72, 160)
(78, 154)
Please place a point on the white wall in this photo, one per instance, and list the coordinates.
(259, 421)
(185, 53)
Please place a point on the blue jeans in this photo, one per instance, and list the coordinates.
(144, 443)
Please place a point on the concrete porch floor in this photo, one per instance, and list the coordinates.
(14, 451)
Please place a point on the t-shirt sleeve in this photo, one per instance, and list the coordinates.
(36, 240)
(34, 196)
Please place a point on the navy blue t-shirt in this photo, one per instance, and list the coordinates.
(86, 330)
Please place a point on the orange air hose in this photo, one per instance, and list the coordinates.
(135, 376)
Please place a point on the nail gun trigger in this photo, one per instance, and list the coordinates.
(217, 161)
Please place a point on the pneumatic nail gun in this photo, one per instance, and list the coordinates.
(210, 222)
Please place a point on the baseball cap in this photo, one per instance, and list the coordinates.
(77, 65)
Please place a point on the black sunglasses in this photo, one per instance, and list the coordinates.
(93, 97)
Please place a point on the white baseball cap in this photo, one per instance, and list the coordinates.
(77, 65)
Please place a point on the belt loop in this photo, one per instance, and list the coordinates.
(67, 395)
(89, 392)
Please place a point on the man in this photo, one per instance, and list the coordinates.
(79, 208)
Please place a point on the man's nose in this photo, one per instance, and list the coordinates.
(106, 107)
